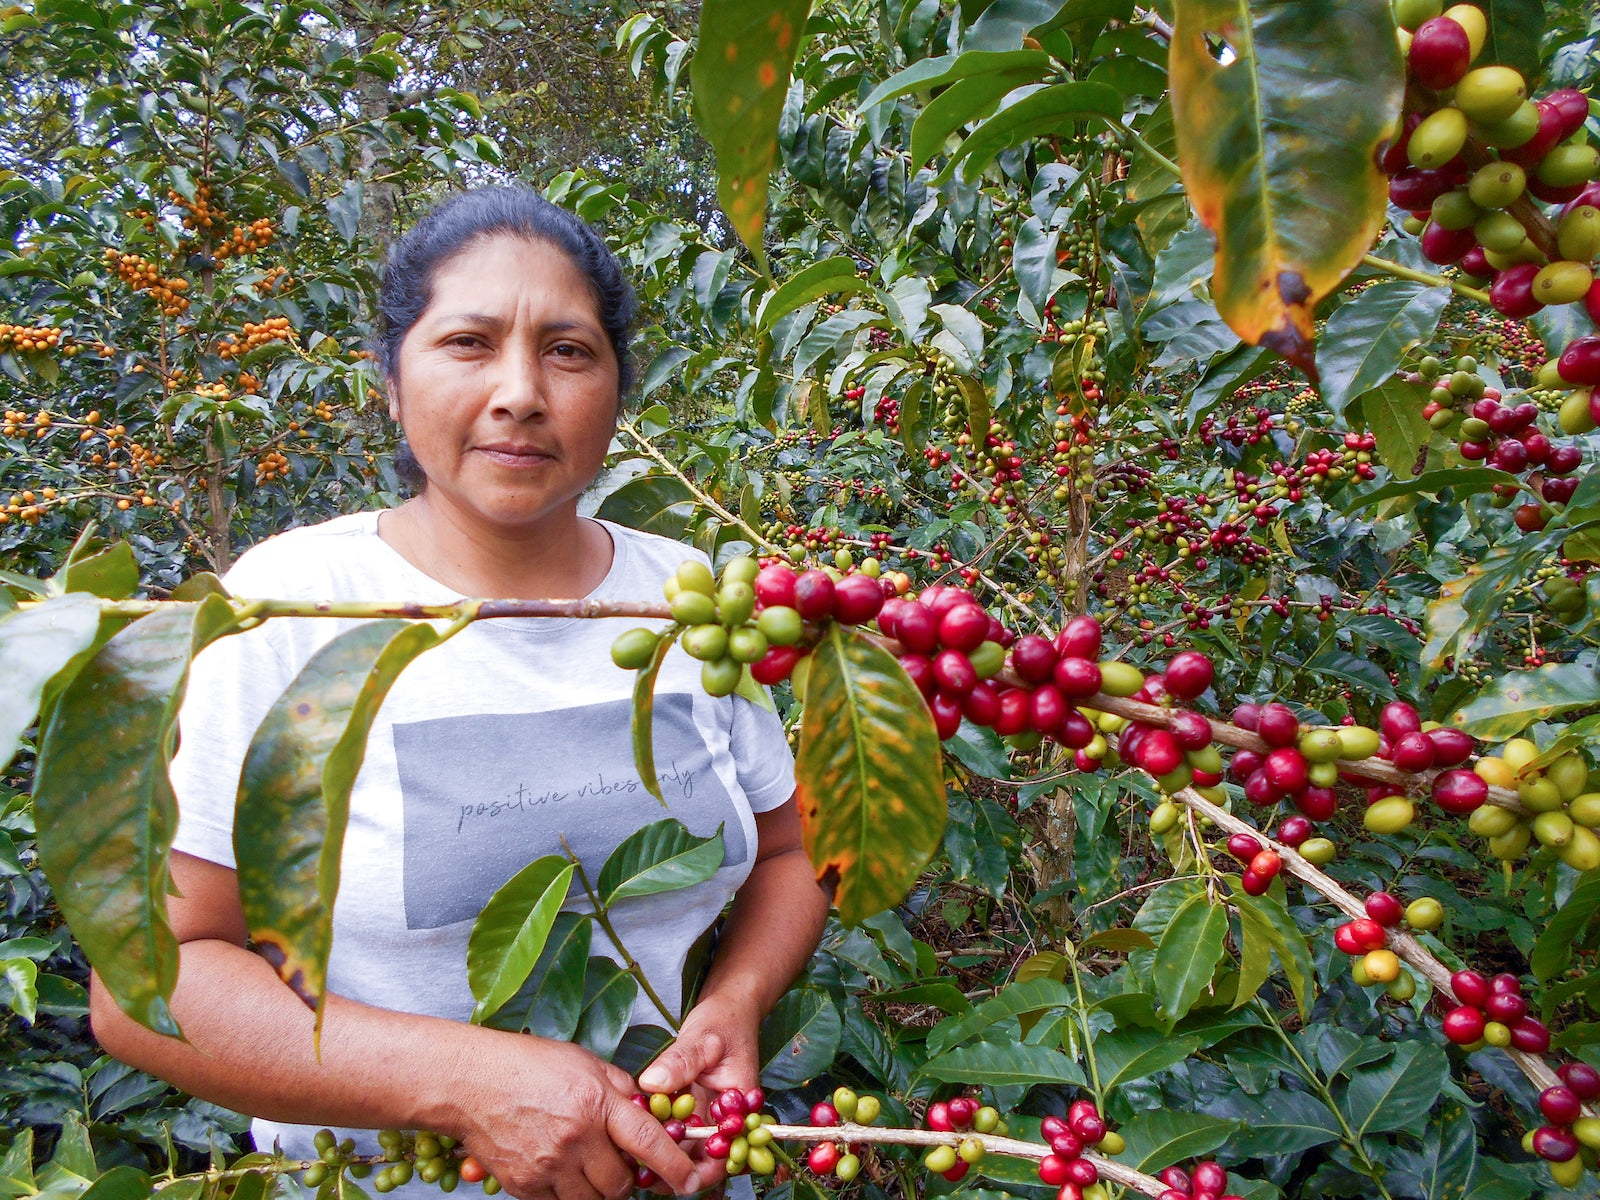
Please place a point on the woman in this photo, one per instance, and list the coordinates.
(504, 349)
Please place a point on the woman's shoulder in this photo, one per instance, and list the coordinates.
(300, 558)
(650, 553)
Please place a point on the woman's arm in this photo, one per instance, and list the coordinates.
(776, 920)
(546, 1118)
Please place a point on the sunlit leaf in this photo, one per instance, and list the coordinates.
(1278, 138)
(105, 810)
(1515, 700)
(509, 935)
(1393, 412)
(35, 643)
(1162, 1137)
(550, 1000)
(870, 775)
(1366, 338)
(998, 1064)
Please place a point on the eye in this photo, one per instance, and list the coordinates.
(469, 341)
(570, 350)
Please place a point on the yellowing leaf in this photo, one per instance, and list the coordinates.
(1279, 132)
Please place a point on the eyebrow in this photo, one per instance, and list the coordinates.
(489, 321)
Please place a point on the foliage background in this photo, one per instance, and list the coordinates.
(810, 422)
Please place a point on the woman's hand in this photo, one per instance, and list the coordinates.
(715, 1049)
(551, 1121)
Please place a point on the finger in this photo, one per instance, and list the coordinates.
(576, 1186)
(681, 1063)
(608, 1175)
(636, 1132)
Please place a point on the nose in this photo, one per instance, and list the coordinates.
(520, 384)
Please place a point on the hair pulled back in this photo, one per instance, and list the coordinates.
(452, 228)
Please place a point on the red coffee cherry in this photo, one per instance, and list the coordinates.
(857, 599)
(1583, 1079)
(1079, 638)
(1189, 674)
(775, 586)
(1464, 1025)
(813, 595)
(1384, 908)
(1034, 658)
(1470, 988)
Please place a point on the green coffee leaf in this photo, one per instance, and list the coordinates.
(509, 935)
(662, 857)
(1002, 1064)
(1188, 954)
(550, 1000)
(608, 995)
(799, 1037)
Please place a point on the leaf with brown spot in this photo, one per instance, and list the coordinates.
(294, 796)
(1279, 150)
(870, 774)
(740, 74)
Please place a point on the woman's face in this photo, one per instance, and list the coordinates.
(507, 385)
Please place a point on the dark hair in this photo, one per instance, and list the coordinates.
(450, 229)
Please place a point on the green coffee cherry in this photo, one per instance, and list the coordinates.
(843, 559)
(1578, 235)
(1164, 817)
(1120, 678)
(868, 1108)
(847, 1168)
(315, 1174)
(780, 625)
(988, 659)
(401, 1173)
(721, 677)
(1514, 131)
(632, 651)
(1490, 94)
(747, 645)
(693, 608)
(1389, 815)
(1318, 851)
(695, 576)
(1499, 231)
(743, 569)
(1568, 165)
(940, 1159)
(762, 1161)
(324, 1141)
(736, 602)
(1453, 210)
(706, 642)
(1438, 139)
(1357, 741)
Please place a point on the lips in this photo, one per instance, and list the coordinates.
(513, 454)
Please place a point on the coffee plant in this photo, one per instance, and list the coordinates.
(1148, 454)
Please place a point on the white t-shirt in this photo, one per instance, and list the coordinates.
(487, 751)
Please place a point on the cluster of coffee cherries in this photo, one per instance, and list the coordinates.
(720, 627)
(1364, 939)
(1065, 1167)
(959, 1115)
(741, 1140)
(1562, 799)
(1569, 1132)
(1578, 367)
(1471, 207)
(1493, 1012)
(841, 1160)
(1204, 1181)
(431, 1157)
(1261, 865)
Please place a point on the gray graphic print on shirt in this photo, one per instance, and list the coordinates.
(472, 793)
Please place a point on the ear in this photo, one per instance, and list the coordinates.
(393, 394)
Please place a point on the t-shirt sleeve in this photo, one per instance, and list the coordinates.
(761, 755)
(232, 685)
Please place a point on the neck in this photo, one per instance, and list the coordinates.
(562, 557)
